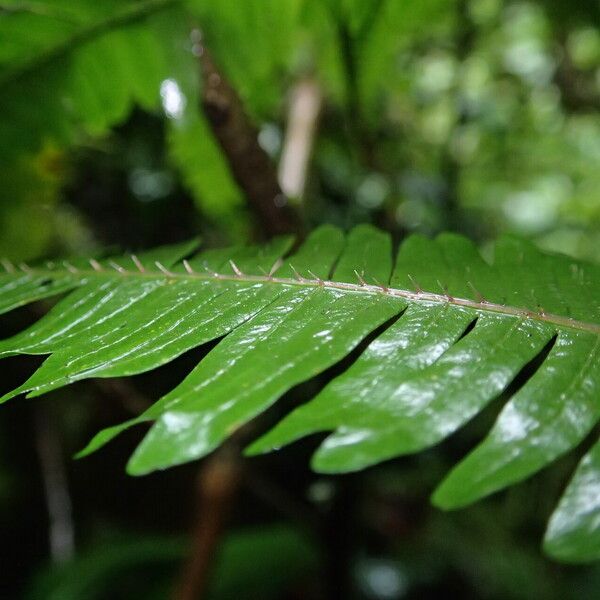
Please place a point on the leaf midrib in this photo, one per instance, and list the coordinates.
(360, 288)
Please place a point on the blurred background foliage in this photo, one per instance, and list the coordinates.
(478, 116)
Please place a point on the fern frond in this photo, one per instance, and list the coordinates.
(453, 333)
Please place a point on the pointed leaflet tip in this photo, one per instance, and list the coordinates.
(138, 263)
(9, 395)
(106, 435)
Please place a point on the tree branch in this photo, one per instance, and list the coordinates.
(249, 163)
(218, 481)
(61, 531)
(305, 105)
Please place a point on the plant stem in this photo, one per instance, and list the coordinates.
(238, 137)
(416, 295)
(218, 482)
(61, 532)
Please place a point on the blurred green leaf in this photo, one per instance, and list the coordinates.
(250, 563)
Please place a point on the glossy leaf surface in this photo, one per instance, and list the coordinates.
(444, 333)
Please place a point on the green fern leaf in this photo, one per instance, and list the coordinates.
(453, 331)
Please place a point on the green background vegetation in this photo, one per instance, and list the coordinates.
(476, 116)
